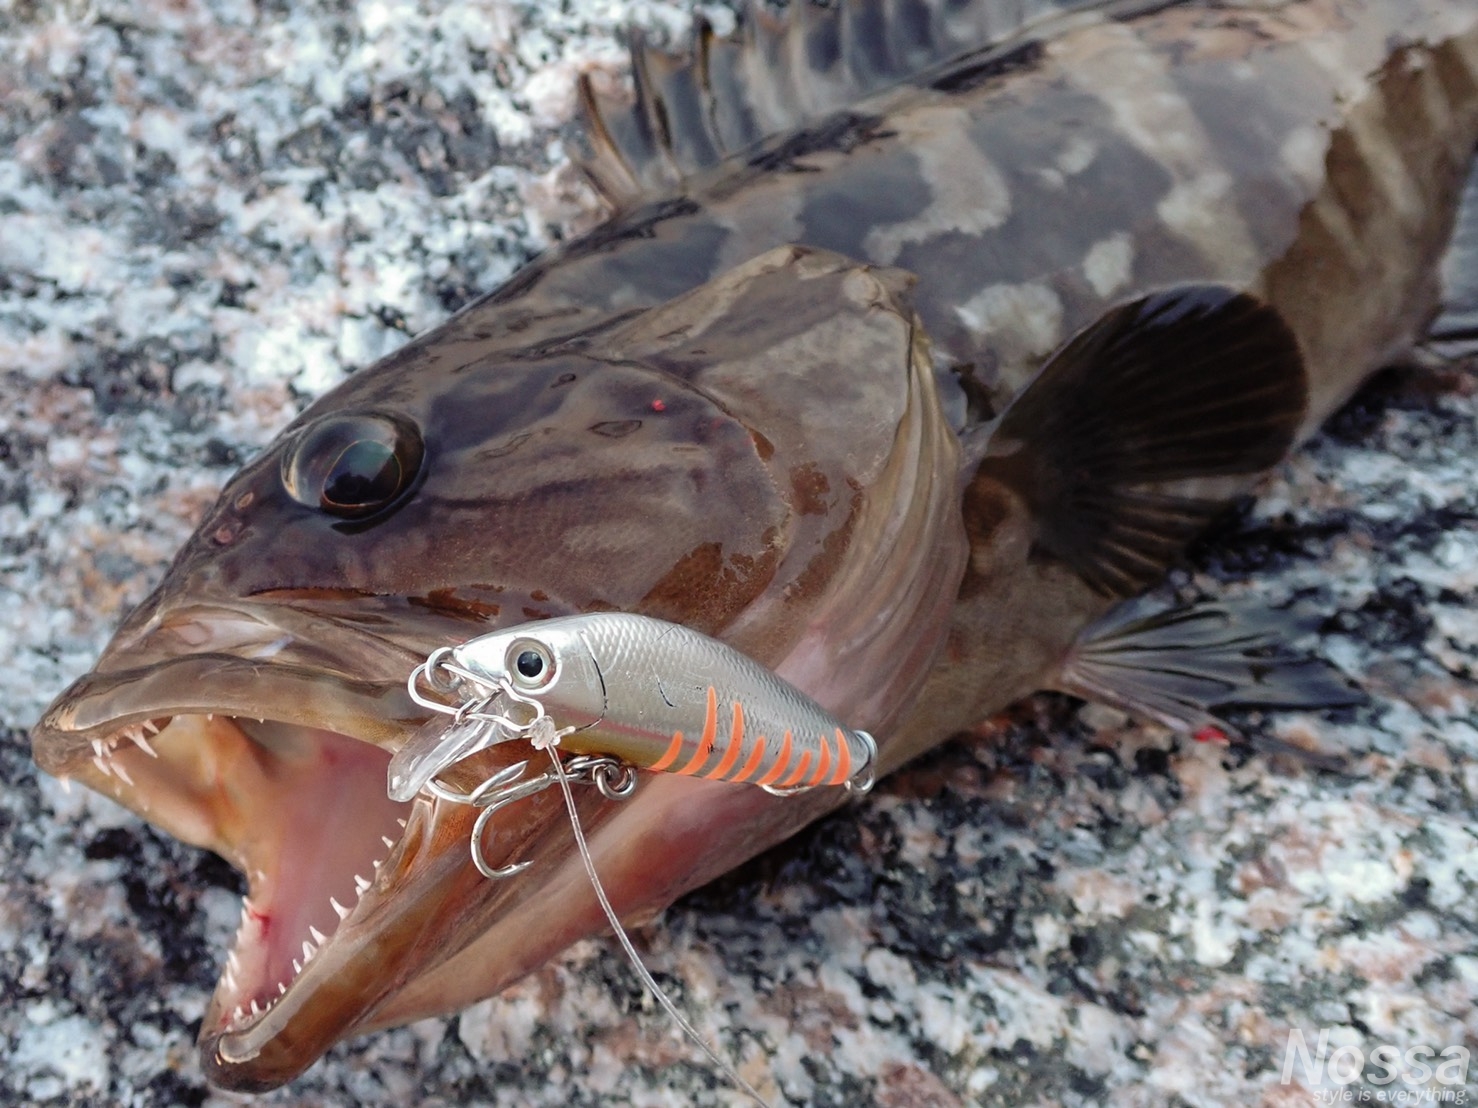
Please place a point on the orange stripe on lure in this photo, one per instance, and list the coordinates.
(651, 694)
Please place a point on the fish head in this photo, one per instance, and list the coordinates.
(763, 459)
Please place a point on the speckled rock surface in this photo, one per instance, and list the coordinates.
(210, 211)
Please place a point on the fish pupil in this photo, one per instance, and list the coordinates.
(365, 475)
(529, 664)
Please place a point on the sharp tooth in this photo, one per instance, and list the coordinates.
(297, 966)
(143, 743)
(281, 989)
(317, 934)
(376, 863)
(233, 963)
(102, 765)
(119, 769)
(209, 716)
(97, 747)
(343, 912)
(150, 727)
(389, 843)
(402, 823)
(238, 1015)
(230, 979)
(360, 884)
(255, 1009)
(66, 783)
(308, 951)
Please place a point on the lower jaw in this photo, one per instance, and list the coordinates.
(426, 904)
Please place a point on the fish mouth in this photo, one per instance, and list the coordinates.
(254, 750)
(361, 913)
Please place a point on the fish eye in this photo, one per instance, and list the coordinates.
(530, 664)
(352, 465)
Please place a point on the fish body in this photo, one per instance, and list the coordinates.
(990, 272)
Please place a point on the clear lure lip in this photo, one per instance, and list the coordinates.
(453, 732)
(436, 746)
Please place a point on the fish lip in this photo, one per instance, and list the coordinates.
(247, 660)
(142, 678)
(102, 703)
(387, 941)
(345, 983)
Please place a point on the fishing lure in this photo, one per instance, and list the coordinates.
(631, 692)
(638, 691)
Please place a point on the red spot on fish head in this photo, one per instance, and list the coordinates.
(1211, 735)
(659, 405)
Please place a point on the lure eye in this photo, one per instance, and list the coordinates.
(530, 665)
(352, 465)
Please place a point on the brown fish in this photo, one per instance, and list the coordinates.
(901, 362)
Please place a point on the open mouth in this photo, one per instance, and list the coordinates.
(350, 895)
(363, 912)
(309, 824)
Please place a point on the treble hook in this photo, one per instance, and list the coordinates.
(494, 873)
(613, 779)
(499, 791)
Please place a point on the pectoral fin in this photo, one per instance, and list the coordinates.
(1136, 433)
(1175, 666)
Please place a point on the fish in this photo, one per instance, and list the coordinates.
(902, 364)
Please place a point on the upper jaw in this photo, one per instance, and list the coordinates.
(335, 662)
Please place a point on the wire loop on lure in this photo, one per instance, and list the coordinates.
(434, 670)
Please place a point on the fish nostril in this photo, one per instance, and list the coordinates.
(226, 533)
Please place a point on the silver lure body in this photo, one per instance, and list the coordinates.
(653, 694)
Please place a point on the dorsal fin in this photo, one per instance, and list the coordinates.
(776, 74)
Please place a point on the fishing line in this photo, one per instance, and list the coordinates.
(550, 743)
